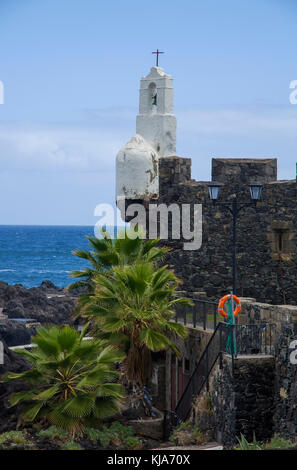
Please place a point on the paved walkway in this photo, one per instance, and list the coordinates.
(208, 446)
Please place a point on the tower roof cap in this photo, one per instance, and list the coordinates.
(156, 72)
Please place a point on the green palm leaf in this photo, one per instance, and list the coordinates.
(154, 340)
(136, 302)
(79, 407)
(21, 396)
(67, 377)
(31, 412)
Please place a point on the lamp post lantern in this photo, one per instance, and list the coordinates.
(234, 208)
(256, 190)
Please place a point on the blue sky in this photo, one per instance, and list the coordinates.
(71, 72)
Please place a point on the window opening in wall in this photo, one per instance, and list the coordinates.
(153, 95)
(280, 240)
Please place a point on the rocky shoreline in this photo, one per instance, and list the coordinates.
(46, 304)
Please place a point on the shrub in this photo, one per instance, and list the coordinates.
(187, 433)
(118, 435)
(14, 437)
(278, 442)
(93, 434)
(71, 382)
(133, 443)
(245, 445)
(53, 433)
(72, 445)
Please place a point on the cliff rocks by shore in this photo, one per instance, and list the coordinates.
(46, 304)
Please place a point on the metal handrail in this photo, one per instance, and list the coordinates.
(183, 401)
(198, 318)
(230, 337)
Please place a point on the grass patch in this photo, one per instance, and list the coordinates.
(187, 433)
(53, 433)
(277, 442)
(116, 435)
(71, 445)
(12, 437)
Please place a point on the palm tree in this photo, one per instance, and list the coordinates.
(71, 383)
(134, 306)
(106, 253)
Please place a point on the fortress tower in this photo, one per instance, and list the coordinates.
(137, 167)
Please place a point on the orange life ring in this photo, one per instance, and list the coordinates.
(224, 300)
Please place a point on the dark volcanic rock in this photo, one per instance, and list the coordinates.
(14, 309)
(12, 363)
(46, 304)
(48, 285)
(16, 333)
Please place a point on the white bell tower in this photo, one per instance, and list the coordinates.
(137, 167)
(156, 121)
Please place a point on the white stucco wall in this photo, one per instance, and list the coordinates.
(157, 123)
(137, 170)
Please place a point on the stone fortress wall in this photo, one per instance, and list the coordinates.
(147, 171)
(266, 235)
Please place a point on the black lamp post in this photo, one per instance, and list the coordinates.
(235, 208)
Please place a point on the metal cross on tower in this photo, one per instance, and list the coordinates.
(157, 52)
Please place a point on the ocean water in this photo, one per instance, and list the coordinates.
(32, 254)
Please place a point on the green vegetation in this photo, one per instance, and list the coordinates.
(187, 433)
(14, 437)
(133, 307)
(105, 253)
(53, 433)
(245, 445)
(72, 445)
(71, 383)
(119, 436)
(93, 434)
(276, 442)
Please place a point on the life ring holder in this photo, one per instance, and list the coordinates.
(222, 302)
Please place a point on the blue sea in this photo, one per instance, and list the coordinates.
(32, 254)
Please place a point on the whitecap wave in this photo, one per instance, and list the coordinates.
(51, 271)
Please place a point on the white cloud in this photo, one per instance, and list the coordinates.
(61, 148)
(249, 122)
(92, 146)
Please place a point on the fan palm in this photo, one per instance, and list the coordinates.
(107, 252)
(135, 304)
(71, 383)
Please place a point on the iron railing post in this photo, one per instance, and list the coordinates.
(194, 315)
(204, 315)
(232, 347)
(221, 346)
(207, 370)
